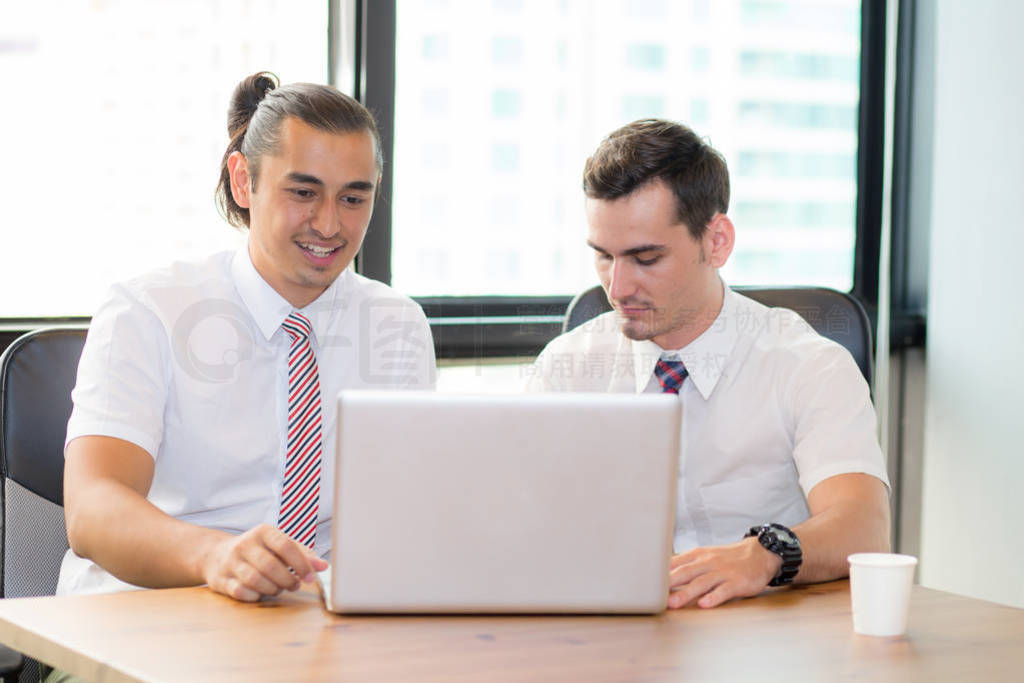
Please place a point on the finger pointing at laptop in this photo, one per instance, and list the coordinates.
(261, 562)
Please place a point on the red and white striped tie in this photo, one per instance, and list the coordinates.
(300, 494)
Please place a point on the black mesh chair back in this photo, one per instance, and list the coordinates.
(37, 374)
(831, 313)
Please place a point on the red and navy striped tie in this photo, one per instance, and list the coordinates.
(300, 493)
(670, 374)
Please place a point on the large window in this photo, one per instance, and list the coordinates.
(499, 102)
(113, 120)
(114, 115)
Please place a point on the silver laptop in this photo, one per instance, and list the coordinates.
(535, 503)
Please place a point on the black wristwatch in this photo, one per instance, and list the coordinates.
(783, 542)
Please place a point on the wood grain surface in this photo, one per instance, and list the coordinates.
(801, 634)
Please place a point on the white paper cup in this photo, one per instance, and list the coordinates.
(880, 592)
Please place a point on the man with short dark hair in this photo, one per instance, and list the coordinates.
(781, 476)
(200, 446)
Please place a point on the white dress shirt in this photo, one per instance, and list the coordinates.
(190, 363)
(770, 409)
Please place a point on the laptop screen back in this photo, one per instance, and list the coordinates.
(524, 503)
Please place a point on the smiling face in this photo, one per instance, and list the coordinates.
(662, 282)
(309, 207)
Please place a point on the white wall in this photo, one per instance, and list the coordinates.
(972, 538)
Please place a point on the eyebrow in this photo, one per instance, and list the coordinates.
(632, 251)
(307, 179)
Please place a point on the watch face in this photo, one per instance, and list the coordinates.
(783, 535)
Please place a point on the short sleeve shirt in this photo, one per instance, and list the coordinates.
(770, 409)
(190, 364)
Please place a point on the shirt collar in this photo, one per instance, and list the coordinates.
(704, 357)
(269, 309)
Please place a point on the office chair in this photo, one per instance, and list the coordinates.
(37, 373)
(832, 314)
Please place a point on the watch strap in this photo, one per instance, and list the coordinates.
(790, 552)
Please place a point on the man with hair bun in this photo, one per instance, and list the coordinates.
(779, 430)
(200, 446)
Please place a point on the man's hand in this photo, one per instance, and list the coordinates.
(715, 574)
(261, 562)
(106, 481)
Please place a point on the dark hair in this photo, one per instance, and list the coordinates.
(654, 149)
(258, 107)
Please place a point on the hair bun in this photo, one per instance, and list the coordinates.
(247, 97)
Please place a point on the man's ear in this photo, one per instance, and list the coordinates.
(241, 187)
(719, 240)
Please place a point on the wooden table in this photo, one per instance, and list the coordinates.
(802, 634)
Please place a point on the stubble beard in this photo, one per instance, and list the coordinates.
(319, 277)
(655, 324)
